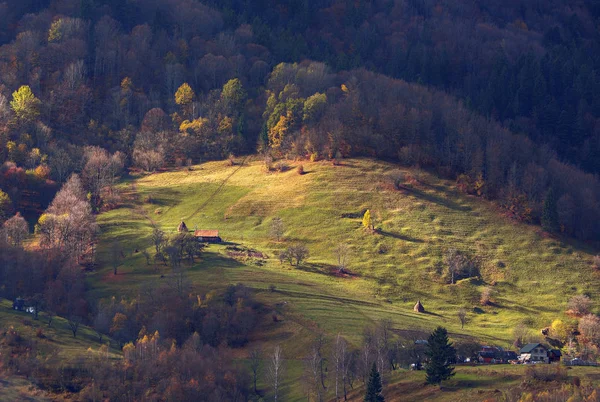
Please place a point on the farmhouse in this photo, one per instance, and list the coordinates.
(208, 236)
(534, 352)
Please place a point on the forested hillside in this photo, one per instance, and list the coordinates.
(438, 123)
(172, 82)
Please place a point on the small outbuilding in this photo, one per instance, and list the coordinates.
(182, 228)
(419, 307)
(208, 236)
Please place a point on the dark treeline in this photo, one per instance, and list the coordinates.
(533, 66)
(172, 82)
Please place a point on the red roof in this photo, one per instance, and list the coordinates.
(206, 233)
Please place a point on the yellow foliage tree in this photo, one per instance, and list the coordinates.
(559, 330)
(278, 133)
(25, 105)
(367, 223)
(185, 97)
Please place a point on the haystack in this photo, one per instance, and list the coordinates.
(182, 228)
(419, 307)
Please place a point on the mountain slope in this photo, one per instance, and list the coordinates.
(533, 275)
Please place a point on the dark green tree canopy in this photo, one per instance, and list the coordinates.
(374, 386)
(441, 355)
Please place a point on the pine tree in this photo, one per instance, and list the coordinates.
(550, 213)
(441, 354)
(374, 387)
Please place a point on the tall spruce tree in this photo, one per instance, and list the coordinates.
(550, 212)
(441, 355)
(374, 387)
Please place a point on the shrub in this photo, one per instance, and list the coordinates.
(486, 296)
(268, 161)
(272, 288)
(40, 333)
(231, 160)
(281, 166)
(596, 262)
(300, 170)
(546, 373)
(579, 305)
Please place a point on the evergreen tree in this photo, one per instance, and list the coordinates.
(441, 354)
(374, 387)
(550, 213)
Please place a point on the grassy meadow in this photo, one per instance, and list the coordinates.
(56, 342)
(533, 275)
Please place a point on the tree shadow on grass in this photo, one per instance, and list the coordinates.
(436, 200)
(399, 236)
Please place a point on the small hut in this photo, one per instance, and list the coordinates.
(208, 236)
(419, 307)
(182, 228)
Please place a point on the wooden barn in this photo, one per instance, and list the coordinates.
(208, 236)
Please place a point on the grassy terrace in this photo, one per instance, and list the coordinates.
(534, 274)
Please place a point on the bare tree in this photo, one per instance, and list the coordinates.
(340, 358)
(100, 171)
(160, 241)
(275, 371)
(298, 253)
(15, 230)
(459, 265)
(255, 363)
(74, 322)
(579, 304)
(342, 253)
(61, 164)
(312, 373)
(116, 255)
(68, 224)
(277, 228)
(102, 322)
(462, 317)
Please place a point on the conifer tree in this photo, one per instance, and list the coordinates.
(374, 387)
(550, 213)
(441, 354)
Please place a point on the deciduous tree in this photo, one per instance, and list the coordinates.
(25, 105)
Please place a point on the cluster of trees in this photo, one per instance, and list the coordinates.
(169, 340)
(171, 82)
(381, 352)
(218, 317)
(533, 68)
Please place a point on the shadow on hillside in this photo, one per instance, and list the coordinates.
(436, 200)
(400, 237)
(215, 259)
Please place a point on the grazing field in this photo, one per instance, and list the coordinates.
(55, 342)
(532, 275)
(483, 383)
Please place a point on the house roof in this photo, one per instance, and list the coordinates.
(206, 233)
(530, 346)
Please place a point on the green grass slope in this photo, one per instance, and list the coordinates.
(533, 274)
(54, 345)
(57, 342)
